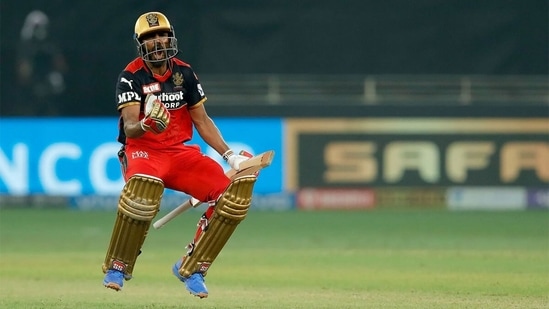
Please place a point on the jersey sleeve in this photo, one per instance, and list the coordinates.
(128, 90)
(194, 94)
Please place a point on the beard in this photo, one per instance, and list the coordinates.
(158, 64)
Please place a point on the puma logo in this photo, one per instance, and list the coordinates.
(129, 82)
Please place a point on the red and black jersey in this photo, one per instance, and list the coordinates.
(179, 90)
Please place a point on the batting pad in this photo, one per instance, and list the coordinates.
(231, 208)
(138, 205)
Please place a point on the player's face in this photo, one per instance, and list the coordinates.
(156, 44)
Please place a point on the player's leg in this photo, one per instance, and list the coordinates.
(203, 223)
(203, 178)
(196, 174)
(215, 228)
(138, 204)
(208, 184)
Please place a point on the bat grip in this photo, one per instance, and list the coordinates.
(172, 214)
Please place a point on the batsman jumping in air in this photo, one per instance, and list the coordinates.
(160, 99)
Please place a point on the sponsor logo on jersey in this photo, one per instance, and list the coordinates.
(172, 100)
(199, 87)
(128, 97)
(129, 82)
(140, 154)
(151, 88)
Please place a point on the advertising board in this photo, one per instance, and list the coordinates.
(78, 156)
(337, 152)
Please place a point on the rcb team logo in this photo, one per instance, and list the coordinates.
(177, 79)
(152, 19)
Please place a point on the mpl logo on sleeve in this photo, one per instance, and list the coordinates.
(128, 97)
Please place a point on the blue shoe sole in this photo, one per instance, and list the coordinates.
(113, 286)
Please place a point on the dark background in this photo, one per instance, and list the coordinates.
(463, 37)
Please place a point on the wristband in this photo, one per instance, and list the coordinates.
(227, 154)
(142, 127)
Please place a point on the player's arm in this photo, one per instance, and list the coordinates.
(204, 125)
(207, 129)
(132, 125)
(156, 117)
(212, 136)
(129, 104)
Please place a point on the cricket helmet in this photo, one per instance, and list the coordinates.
(149, 24)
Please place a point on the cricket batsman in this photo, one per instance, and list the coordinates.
(159, 100)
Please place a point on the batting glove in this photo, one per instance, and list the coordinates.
(235, 160)
(157, 117)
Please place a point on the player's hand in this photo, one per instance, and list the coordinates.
(248, 155)
(235, 160)
(157, 116)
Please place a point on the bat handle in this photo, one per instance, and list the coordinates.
(176, 212)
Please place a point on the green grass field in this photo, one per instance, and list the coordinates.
(372, 259)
